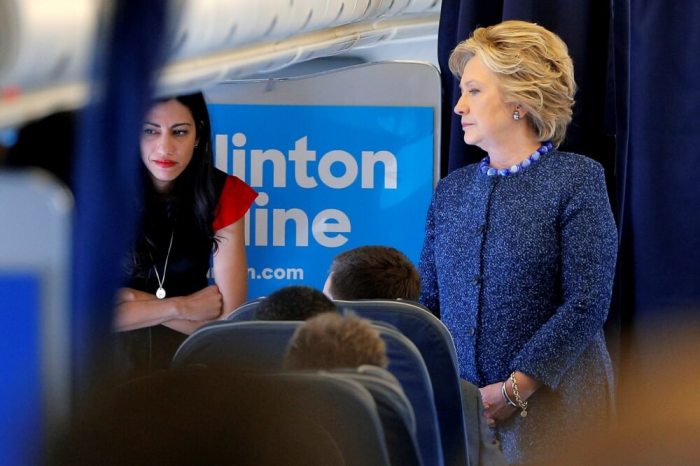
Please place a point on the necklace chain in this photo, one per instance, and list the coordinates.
(160, 292)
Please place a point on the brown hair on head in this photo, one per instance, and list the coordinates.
(329, 341)
(374, 272)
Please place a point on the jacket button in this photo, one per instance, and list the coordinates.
(471, 331)
(477, 279)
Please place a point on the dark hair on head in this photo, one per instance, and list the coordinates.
(374, 272)
(192, 200)
(296, 302)
(330, 341)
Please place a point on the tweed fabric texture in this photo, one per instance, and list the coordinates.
(520, 270)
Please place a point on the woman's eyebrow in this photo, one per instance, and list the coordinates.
(184, 123)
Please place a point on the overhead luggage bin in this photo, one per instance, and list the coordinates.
(47, 46)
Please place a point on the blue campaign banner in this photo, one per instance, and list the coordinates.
(329, 178)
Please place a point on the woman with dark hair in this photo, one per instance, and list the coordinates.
(190, 210)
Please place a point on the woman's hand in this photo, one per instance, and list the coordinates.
(203, 305)
(495, 407)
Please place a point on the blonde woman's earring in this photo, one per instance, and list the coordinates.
(516, 115)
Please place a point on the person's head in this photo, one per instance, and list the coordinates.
(513, 73)
(331, 341)
(372, 272)
(177, 177)
(176, 139)
(295, 302)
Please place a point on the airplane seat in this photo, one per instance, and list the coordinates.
(260, 346)
(435, 344)
(345, 408)
(245, 311)
(257, 346)
(408, 366)
(394, 409)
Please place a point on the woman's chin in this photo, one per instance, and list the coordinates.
(470, 141)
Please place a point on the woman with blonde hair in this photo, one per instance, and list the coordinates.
(520, 249)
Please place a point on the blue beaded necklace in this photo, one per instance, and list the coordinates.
(534, 157)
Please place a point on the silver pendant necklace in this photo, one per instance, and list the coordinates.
(160, 292)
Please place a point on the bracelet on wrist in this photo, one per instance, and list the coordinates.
(518, 400)
(506, 398)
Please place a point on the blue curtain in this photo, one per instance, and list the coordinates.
(105, 173)
(638, 72)
(663, 182)
(658, 153)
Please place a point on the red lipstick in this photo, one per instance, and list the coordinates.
(164, 163)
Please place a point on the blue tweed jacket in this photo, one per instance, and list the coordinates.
(520, 270)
